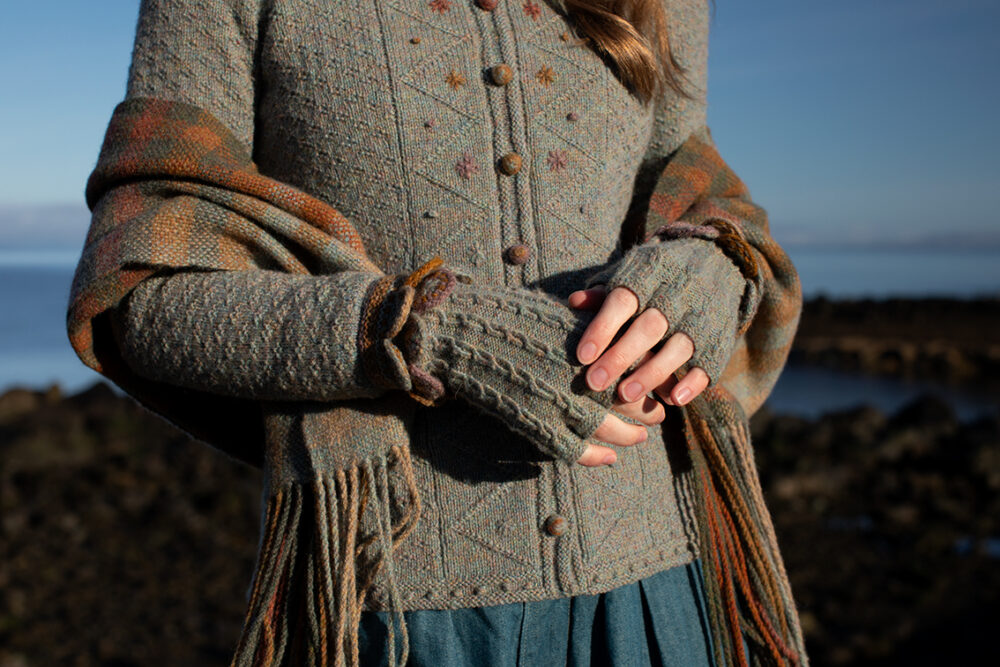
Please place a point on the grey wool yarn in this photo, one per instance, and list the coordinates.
(510, 354)
(696, 287)
(385, 119)
(266, 335)
(274, 336)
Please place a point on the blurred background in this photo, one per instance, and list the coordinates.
(867, 130)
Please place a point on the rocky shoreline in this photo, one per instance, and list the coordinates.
(955, 341)
(123, 542)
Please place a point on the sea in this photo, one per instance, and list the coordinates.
(35, 352)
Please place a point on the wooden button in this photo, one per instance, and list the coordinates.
(501, 74)
(518, 253)
(488, 5)
(510, 164)
(556, 525)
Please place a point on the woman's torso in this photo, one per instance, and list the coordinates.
(389, 111)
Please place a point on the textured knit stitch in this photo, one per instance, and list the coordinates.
(696, 286)
(267, 335)
(332, 99)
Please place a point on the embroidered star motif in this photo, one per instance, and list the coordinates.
(455, 79)
(557, 160)
(467, 166)
(532, 10)
(440, 6)
(545, 75)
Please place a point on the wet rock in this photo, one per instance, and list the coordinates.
(134, 544)
(949, 340)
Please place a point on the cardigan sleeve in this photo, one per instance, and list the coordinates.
(257, 334)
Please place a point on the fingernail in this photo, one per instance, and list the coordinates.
(682, 395)
(631, 390)
(598, 378)
(609, 459)
(587, 352)
(645, 434)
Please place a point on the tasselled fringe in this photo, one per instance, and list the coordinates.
(323, 544)
(744, 577)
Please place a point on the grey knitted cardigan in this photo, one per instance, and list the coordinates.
(520, 176)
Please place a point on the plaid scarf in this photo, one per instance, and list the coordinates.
(181, 191)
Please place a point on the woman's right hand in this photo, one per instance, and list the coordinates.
(616, 431)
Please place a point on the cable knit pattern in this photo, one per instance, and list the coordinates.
(335, 98)
(401, 145)
(475, 342)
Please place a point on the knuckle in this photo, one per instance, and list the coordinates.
(623, 297)
(684, 343)
(602, 329)
(652, 322)
(617, 357)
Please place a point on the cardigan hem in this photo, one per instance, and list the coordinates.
(482, 593)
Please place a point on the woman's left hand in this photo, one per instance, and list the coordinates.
(656, 370)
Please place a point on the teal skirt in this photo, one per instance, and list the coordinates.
(659, 620)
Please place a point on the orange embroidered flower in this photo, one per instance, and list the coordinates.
(455, 79)
(440, 6)
(545, 75)
(532, 10)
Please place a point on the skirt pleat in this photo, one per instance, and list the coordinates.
(660, 620)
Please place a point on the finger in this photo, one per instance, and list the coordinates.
(614, 431)
(690, 386)
(619, 305)
(597, 455)
(663, 390)
(588, 299)
(655, 371)
(646, 409)
(644, 332)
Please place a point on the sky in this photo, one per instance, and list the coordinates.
(857, 121)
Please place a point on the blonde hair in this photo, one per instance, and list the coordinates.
(633, 34)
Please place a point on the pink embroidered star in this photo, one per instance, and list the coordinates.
(557, 160)
(467, 166)
(532, 10)
(440, 6)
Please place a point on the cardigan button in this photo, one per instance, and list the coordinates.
(556, 525)
(510, 164)
(488, 5)
(501, 74)
(518, 253)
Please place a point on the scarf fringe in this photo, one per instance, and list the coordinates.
(746, 584)
(317, 564)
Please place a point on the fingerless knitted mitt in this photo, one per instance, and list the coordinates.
(695, 285)
(508, 352)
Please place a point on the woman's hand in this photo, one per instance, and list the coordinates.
(655, 372)
(618, 432)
